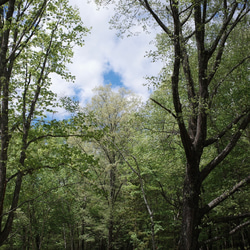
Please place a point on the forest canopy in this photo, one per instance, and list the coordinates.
(119, 173)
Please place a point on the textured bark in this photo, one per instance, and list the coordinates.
(190, 216)
(4, 118)
(194, 138)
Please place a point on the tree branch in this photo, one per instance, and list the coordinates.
(146, 5)
(234, 230)
(20, 44)
(54, 136)
(38, 196)
(225, 77)
(223, 132)
(220, 157)
(2, 2)
(226, 219)
(168, 110)
(224, 196)
(138, 173)
(187, 18)
(30, 170)
(222, 39)
(222, 30)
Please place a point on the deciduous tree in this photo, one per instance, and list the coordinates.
(36, 40)
(111, 112)
(205, 27)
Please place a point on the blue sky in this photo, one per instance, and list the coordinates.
(105, 58)
(114, 78)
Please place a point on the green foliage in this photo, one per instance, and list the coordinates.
(90, 181)
(37, 38)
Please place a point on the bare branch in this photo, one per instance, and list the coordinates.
(222, 39)
(54, 136)
(222, 30)
(185, 39)
(166, 198)
(211, 17)
(223, 132)
(187, 18)
(127, 162)
(40, 79)
(226, 219)
(225, 77)
(220, 157)
(190, 90)
(189, 7)
(20, 44)
(146, 5)
(30, 170)
(38, 196)
(237, 228)
(224, 196)
(168, 110)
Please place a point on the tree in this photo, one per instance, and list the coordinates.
(48, 214)
(160, 154)
(111, 112)
(206, 27)
(36, 40)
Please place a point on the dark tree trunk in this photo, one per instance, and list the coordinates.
(190, 215)
(82, 241)
(110, 236)
(5, 71)
(193, 130)
(5, 232)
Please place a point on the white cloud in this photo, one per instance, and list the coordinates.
(103, 49)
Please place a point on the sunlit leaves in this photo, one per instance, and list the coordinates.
(38, 40)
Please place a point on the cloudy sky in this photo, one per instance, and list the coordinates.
(105, 58)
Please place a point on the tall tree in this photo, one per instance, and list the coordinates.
(36, 40)
(207, 27)
(111, 111)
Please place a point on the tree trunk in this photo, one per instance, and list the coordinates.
(190, 215)
(82, 241)
(112, 202)
(8, 225)
(110, 236)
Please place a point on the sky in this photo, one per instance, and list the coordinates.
(105, 58)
